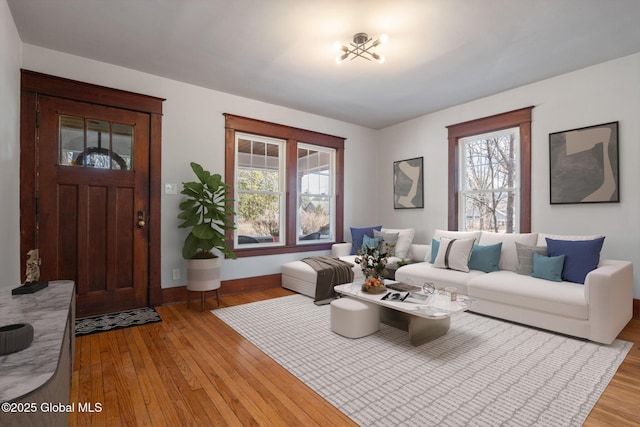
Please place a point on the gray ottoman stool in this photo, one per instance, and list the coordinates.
(352, 318)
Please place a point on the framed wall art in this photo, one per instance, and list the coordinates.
(408, 189)
(583, 165)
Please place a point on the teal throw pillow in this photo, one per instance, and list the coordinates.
(369, 242)
(435, 247)
(486, 258)
(548, 267)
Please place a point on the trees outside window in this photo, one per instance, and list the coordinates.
(490, 181)
(490, 173)
(287, 186)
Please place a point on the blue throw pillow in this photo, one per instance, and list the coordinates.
(370, 242)
(358, 233)
(581, 257)
(486, 258)
(548, 267)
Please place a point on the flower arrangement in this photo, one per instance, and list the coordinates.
(373, 261)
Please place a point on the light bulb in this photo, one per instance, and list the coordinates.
(379, 58)
(384, 38)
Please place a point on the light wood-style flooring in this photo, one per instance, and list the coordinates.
(191, 369)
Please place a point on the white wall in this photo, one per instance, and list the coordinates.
(193, 130)
(11, 47)
(603, 93)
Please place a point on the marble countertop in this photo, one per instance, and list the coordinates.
(47, 311)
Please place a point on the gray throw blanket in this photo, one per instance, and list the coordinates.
(332, 271)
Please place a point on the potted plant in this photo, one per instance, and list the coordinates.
(208, 212)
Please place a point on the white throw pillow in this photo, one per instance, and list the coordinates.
(454, 254)
(405, 238)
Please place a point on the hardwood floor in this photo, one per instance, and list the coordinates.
(192, 369)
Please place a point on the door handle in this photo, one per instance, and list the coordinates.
(141, 221)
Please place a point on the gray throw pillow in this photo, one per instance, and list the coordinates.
(525, 257)
(389, 239)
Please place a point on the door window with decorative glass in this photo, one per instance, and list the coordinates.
(490, 181)
(96, 144)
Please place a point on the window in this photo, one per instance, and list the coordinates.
(260, 196)
(316, 194)
(95, 143)
(287, 187)
(490, 173)
(489, 178)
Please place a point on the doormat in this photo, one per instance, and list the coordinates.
(113, 321)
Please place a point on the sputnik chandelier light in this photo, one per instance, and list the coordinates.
(361, 47)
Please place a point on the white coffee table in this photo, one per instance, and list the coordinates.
(423, 321)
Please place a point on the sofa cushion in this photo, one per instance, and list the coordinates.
(421, 272)
(581, 256)
(358, 233)
(388, 239)
(509, 256)
(369, 242)
(548, 267)
(525, 257)
(405, 237)
(454, 254)
(457, 235)
(542, 237)
(564, 299)
(485, 258)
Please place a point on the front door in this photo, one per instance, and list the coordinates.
(92, 192)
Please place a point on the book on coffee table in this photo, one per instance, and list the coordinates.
(403, 287)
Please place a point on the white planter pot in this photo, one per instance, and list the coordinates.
(203, 274)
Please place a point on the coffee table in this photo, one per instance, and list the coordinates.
(424, 321)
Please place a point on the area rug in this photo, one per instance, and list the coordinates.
(484, 372)
(113, 321)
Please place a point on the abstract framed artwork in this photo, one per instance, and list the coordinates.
(408, 189)
(583, 165)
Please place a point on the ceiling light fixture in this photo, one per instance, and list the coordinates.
(361, 46)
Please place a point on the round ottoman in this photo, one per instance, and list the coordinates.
(352, 318)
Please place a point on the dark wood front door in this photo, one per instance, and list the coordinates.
(92, 188)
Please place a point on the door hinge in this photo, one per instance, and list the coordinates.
(36, 203)
(37, 119)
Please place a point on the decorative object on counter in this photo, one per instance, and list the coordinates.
(32, 273)
(15, 337)
(113, 321)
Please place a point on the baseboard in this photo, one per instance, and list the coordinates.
(636, 308)
(227, 287)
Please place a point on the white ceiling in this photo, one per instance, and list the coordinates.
(440, 53)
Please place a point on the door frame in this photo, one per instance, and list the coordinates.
(33, 84)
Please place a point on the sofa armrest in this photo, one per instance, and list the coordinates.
(341, 249)
(609, 295)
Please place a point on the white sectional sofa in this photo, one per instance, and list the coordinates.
(596, 310)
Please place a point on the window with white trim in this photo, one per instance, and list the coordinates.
(490, 181)
(286, 184)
